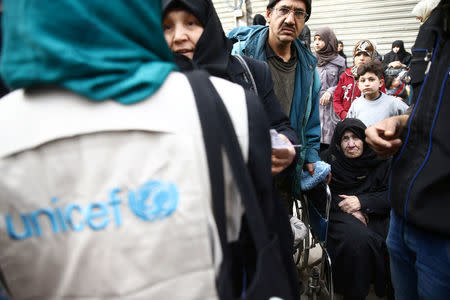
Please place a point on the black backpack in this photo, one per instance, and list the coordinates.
(269, 272)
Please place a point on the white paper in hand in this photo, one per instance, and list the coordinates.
(278, 142)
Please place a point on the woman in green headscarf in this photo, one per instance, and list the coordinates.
(112, 52)
(102, 157)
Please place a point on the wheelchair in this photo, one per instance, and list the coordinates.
(315, 215)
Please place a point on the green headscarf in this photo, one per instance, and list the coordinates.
(100, 49)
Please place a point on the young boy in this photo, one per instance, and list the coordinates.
(396, 87)
(373, 106)
(347, 89)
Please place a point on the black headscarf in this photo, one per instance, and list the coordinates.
(351, 174)
(259, 20)
(213, 49)
(401, 56)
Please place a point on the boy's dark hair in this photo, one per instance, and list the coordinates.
(388, 81)
(374, 66)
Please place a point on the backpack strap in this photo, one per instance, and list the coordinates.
(219, 136)
(3, 286)
(248, 74)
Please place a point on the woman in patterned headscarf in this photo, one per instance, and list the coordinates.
(347, 89)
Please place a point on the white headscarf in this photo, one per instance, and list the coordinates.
(424, 8)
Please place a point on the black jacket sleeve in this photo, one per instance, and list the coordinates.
(264, 84)
(277, 118)
(375, 201)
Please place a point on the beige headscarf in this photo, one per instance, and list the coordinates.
(424, 8)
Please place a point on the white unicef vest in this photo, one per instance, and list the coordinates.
(107, 201)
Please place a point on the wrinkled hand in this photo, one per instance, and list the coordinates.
(383, 136)
(360, 216)
(282, 158)
(325, 99)
(350, 204)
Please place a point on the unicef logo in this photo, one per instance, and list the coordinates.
(154, 200)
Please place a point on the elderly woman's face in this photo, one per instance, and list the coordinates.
(182, 31)
(351, 145)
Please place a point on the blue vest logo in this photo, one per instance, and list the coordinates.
(153, 201)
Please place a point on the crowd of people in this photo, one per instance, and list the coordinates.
(106, 149)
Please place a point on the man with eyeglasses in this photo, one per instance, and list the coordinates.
(296, 81)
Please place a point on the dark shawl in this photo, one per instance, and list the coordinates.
(341, 53)
(353, 176)
(401, 56)
(330, 50)
(259, 20)
(213, 49)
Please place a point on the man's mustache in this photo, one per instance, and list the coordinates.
(289, 26)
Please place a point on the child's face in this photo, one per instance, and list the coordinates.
(395, 83)
(362, 58)
(370, 84)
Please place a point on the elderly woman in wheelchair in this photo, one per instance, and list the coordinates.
(359, 212)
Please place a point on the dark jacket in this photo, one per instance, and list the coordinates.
(420, 179)
(305, 36)
(264, 84)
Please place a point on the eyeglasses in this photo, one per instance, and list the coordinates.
(284, 12)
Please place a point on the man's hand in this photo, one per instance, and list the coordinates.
(350, 204)
(383, 136)
(282, 158)
(360, 216)
(325, 99)
(310, 168)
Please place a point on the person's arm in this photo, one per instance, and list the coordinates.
(368, 203)
(338, 99)
(375, 203)
(396, 64)
(312, 128)
(401, 107)
(383, 137)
